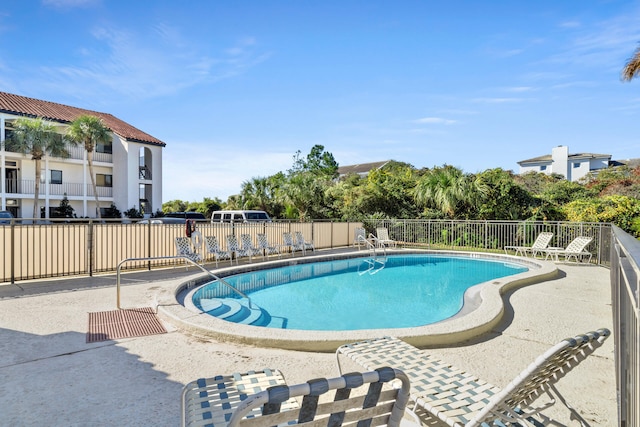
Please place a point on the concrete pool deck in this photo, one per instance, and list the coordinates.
(50, 374)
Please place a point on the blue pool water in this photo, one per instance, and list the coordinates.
(391, 292)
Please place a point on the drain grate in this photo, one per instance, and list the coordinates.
(131, 322)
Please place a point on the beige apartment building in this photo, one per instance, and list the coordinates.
(128, 170)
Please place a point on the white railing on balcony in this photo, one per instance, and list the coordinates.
(28, 186)
(76, 152)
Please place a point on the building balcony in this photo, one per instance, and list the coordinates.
(27, 187)
(77, 152)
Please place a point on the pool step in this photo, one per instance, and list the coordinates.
(233, 310)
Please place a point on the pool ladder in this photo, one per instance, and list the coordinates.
(374, 254)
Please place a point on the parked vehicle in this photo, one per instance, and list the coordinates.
(5, 217)
(239, 216)
(187, 215)
(163, 220)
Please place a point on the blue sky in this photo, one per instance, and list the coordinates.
(235, 88)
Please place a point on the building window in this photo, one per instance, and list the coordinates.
(56, 177)
(104, 180)
(543, 168)
(105, 148)
(576, 165)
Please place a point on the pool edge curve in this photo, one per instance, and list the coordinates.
(480, 320)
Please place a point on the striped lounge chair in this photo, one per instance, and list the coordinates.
(266, 248)
(262, 399)
(289, 243)
(461, 399)
(213, 248)
(184, 248)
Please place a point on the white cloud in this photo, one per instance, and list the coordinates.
(519, 89)
(127, 63)
(435, 120)
(570, 24)
(497, 100)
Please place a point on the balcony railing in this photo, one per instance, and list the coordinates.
(145, 172)
(75, 152)
(27, 187)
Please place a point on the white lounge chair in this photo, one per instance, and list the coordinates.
(461, 399)
(184, 248)
(575, 249)
(290, 244)
(541, 243)
(238, 252)
(300, 241)
(213, 248)
(360, 237)
(382, 237)
(262, 399)
(265, 247)
(247, 245)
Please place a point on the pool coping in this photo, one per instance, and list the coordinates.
(482, 311)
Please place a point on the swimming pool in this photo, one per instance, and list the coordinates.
(483, 309)
(398, 291)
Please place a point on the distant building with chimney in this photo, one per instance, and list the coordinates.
(571, 166)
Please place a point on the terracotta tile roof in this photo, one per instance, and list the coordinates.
(30, 107)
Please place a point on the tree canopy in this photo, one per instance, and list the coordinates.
(311, 189)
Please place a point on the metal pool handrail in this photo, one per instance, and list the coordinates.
(371, 246)
(173, 257)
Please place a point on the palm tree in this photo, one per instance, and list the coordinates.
(89, 131)
(255, 194)
(633, 66)
(445, 189)
(37, 138)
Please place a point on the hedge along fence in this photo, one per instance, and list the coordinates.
(34, 251)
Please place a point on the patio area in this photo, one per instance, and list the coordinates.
(51, 374)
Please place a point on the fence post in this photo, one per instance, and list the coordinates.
(149, 244)
(90, 246)
(13, 252)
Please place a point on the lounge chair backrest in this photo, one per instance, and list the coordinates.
(212, 244)
(360, 234)
(287, 239)
(183, 246)
(382, 233)
(542, 241)
(263, 243)
(542, 374)
(247, 243)
(232, 242)
(375, 407)
(578, 244)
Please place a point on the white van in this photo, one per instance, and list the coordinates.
(239, 216)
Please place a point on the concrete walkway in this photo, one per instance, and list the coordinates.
(50, 375)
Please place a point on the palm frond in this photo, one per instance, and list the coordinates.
(632, 69)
